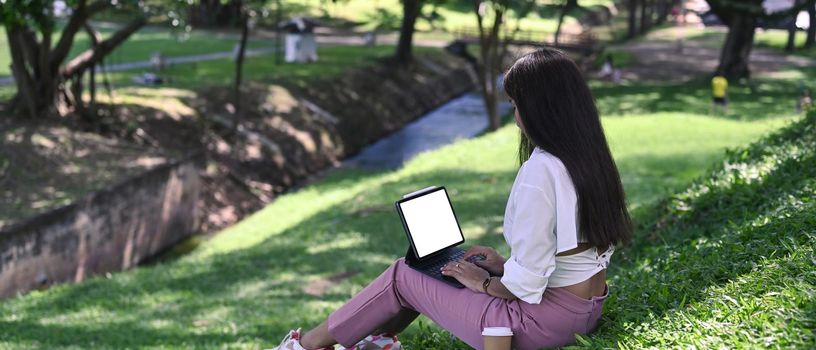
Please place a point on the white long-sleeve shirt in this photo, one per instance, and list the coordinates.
(540, 221)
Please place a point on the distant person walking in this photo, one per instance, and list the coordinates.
(719, 93)
(675, 14)
(607, 67)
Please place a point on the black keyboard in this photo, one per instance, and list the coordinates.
(434, 268)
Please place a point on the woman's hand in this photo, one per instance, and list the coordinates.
(493, 262)
(466, 273)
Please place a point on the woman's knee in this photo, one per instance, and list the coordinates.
(396, 268)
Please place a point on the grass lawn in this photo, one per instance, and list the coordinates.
(333, 60)
(775, 95)
(777, 39)
(245, 287)
(451, 15)
(774, 39)
(5, 55)
(142, 45)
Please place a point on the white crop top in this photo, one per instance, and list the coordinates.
(540, 222)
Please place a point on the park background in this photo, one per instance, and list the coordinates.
(168, 180)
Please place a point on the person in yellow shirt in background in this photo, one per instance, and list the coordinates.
(719, 93)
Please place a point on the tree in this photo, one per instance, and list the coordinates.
(410, 12)
(245, 14)
(490, 17)
(246, 10)
(569, 5)
(811, 33)
(38, 63)
(663, 9)
(790, 45)
(632, 8)
(645, 16)
(211, 13)
(741, 17)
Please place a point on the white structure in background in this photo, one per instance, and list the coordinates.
(300, 40)
(803, 20)
(61, 9)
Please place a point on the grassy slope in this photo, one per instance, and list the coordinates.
(729, 261)
(246, 286)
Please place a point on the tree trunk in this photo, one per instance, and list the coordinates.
(489, 51)
(37, 66)
(213, 13)
(645, 16)
(26, 91)
(790, 45)
(568, 6)
(664, 8)
(633, 30)
(239, 65)
(811, 33)
(95, 38)
(737, 48)
(410, 12)
(93, 56)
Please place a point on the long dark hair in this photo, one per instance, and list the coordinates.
(558, 115)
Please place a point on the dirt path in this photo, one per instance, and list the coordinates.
(658, 56)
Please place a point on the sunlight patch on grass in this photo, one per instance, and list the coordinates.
(352, 239)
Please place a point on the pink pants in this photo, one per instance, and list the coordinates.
(553, 322)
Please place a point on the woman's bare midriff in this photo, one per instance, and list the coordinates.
(594, 286)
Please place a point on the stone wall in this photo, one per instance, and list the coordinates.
(110, 230)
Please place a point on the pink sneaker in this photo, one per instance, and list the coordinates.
(292, 342)
(377, 342)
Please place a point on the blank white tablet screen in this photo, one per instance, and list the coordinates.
(431, 222)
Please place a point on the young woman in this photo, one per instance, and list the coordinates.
(565, 214)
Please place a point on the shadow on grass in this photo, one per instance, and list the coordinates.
(250, 294)
(772, 98)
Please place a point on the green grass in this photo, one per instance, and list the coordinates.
(141, 45)
(775, 95)
(774, 39)
(5, 55)
(245, 287)
(333, 60)
(452, 15)
(620, 58)
(727, 263)
(777, 39)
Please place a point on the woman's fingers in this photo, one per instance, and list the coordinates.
(482, 263)
(474, 250)
(452, 268)
(466, 265)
